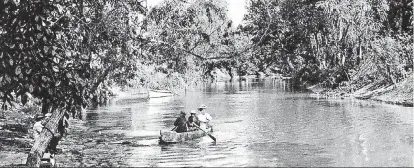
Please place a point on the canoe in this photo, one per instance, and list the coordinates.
(167, 137)
(285, 77)
(159, 93)
(318, 88)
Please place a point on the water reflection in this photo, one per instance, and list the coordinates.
(252, 84)
(264, 123)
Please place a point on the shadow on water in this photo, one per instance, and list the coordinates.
(257, 123)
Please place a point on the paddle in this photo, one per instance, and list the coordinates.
(211, 136)
(174, 128)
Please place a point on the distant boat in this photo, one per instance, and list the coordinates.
(318, 88)
(285, 77)
(167, 137)
(160, 93)
(130, 95)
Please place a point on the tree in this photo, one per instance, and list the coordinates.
(400, 16)
(62, 52)
(181, 34)
(327, 41)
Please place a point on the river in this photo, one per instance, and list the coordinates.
(256, 123)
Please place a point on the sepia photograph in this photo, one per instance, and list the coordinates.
(206, 83)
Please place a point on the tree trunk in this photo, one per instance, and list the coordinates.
(290, 63)
(405, 16)
(40, 145)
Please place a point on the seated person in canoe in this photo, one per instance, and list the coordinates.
(192, 121)
(181, 123)
(203, 117)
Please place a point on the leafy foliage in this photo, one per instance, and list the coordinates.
(62, 51)
(65, 53)
(328, 41)
(183, 34)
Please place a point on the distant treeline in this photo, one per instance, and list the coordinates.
(330, 41)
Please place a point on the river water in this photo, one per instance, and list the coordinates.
(256, 123)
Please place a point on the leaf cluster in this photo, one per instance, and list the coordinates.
(64, 51)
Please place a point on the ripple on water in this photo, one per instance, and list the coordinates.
(255, 127)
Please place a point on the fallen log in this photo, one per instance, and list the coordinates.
(49, 131)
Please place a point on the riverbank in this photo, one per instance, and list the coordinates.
(399, 94)
(84, 146)
(16, 141)
(15, 134)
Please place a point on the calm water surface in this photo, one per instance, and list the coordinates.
(259, 123)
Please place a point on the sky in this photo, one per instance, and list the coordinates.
(235, 13)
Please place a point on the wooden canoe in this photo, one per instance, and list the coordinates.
(167, 137)
(318, 88)
(159, 93)
(285, 77)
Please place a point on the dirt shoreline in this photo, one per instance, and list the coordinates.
(398, 94)
(15, 136)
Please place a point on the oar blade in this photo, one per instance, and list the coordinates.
(211, 136)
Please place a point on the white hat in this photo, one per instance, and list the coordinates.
(202, 106)
(193, 112)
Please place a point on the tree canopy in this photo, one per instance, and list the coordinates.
(331, 41)
(187, 31)
(67, 52)
(64, 51)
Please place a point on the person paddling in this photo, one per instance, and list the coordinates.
(203, 117)
(181, 123)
